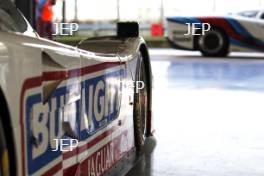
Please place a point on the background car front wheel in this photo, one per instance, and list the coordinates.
(4, 156)
(213, 43)
(141, 108)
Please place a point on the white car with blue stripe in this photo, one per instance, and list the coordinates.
(243, 31)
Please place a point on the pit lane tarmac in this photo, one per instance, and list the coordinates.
(208, 115)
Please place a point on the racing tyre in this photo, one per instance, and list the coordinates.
(141, 108)
(213, 43)
(4, 156)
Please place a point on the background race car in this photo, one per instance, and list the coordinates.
(216, 35)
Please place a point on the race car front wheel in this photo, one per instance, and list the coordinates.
(4, 156)
(141, 108)
(213, 43)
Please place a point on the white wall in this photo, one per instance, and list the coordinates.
(149, 10)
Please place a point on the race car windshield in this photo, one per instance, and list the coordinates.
(249, 14)
(10, 19)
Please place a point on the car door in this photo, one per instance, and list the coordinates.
(252, 30)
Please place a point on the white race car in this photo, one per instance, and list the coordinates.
(243, 31)
(66, 110)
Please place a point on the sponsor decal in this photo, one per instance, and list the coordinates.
(97, 106)
(101, 160)
(104, 158)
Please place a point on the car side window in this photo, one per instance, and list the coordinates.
(10, 18)
(249, 14)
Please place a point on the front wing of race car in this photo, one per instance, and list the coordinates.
(71, 110)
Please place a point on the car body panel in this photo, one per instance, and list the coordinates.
(56, 92)
(48, 85)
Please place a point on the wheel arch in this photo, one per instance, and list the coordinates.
(199, 31)
(146, 59)
(7, 125)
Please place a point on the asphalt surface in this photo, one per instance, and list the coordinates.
(208, 116)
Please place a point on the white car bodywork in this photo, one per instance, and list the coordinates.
(46, 84)
(243, 32)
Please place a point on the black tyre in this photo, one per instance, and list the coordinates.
(141, 108)
(213, 43)
(4, 156)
